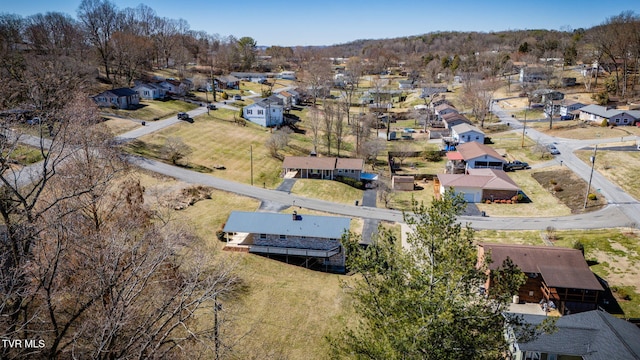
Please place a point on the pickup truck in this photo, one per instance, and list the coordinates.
(515, 165)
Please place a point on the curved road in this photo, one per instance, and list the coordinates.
(622, 211)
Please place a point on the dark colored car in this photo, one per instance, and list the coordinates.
(183, 116)
(516, 165)
(212, 107)
(237, 97)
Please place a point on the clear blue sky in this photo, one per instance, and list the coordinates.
(327, 22)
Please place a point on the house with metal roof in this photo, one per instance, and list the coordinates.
(326, 168)
(316, 239)
(591, 335)
(597, 113)
(479, 184)
(554, 274)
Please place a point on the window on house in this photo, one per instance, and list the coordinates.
(263, 236)
(532, 355)
(260, 112)
(283, 237)
(249, 112)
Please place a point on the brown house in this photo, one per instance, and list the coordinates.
(326, 168)
(555, 274)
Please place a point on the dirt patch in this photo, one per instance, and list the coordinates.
(176, 196)
(569, 189)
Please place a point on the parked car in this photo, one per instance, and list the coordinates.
(566, 117)
(553, 150)
(237, 97)
(183, 116)
(34, 121)
(516, 165)
(212, 107)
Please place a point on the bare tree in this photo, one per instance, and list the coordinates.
(278, 141)
(339, 127)
(371, 149)
(175, 149)
(328, 121)
(315, 124)
(317, 76)
(478, 95)
(402, 151)
(100, 22)
(361, 129)
(385, 193)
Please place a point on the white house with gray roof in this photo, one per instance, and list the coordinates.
(266, 112)
(311, 237)
(599, 113)
(463, 133)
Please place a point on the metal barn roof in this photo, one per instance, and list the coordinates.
(329, 227)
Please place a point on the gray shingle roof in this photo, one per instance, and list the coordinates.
(594, 335)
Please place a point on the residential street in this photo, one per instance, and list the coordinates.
(622, 211)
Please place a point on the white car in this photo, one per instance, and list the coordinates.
(553, 150)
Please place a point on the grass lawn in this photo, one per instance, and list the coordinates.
(616, 257)
(511, 143)
(529, 237)
(327, 190)
(220, 142)
(24, 155)
(401, 200)
(153, 110)
(617, 166)
(119, 126)
(284, 310)
(543, 203)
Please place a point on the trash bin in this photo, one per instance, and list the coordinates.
(144, 123)
(483, 214)
(356, 202)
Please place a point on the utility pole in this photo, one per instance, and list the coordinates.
(251, 158)
(216, 332)
(593, 161)
(524, 127)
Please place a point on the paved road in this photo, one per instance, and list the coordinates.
(609, 217)
(622, 211)
(616, 197)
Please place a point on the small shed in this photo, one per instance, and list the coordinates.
(402, 183)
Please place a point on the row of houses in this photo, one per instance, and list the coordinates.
(126, 98)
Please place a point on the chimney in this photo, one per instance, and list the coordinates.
(295, 215)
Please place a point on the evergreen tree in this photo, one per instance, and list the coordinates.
(424, 302)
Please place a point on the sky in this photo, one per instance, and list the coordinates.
(328, 22)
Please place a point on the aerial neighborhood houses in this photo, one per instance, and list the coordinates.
(267, 112)
(597, 113)
(154, 89)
